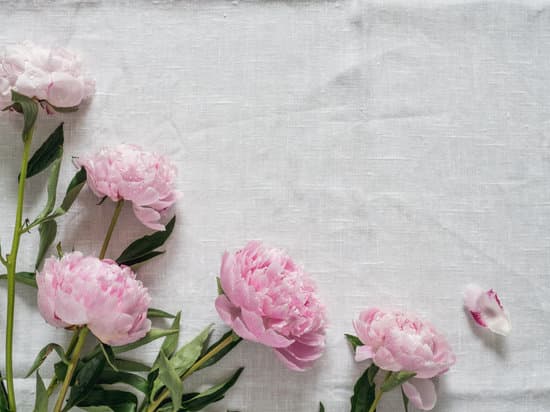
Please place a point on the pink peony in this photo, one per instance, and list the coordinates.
(399, 342)
(270, 300)
(84, 290)
(54, 75)
(130, 173)
(487, 310)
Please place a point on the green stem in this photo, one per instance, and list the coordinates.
(379, 394)
(114, 219)
(376, 401)
(197, 365)
(54, 382)
(72, 367)
(11, 269)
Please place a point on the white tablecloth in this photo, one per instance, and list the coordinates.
(398, 150)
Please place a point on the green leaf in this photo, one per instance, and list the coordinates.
(47, 153)
(170, 378)
(131, 365)
(396, 379)
(74, 188)
(170, 343)
(41, 402)
(141, 249)
(4, 405)
(152, 335)
(223, 352)
(113, 400)
(321, 407)
(43, 354)
(183, 359)
(52, 187)
(143, 258)
(220, 287)
(354, 341)
(47, 231)
(29, 108)
(363, 394)
(211, 395)
(111, 377)
(188, 354)
(84, 380)
(168, 347)
(109, 355)
(405, 400)
(27, 278)
(371, 373)
(157, 313)
(60, 370)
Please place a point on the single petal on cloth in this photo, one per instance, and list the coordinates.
(421, 393)
(487, 310)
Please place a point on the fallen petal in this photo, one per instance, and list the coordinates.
(487, 310)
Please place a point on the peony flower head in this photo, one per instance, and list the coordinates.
(396, 341)
(270, 300)
(128, 172)
(487, 310)
(54, 75)
(81, 290)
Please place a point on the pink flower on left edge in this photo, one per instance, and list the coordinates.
(54, 75)
(396, 341)
(79, 290)
(487, 309)
(128, 172)
(270, 300)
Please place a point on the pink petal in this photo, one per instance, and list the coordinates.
(226, 310)
(421, 392)
(363, 353)
(149, 217)
(240, 329)
(291, 361)
(385, 360)
(487, 310)
(494, 315)
(65, 90)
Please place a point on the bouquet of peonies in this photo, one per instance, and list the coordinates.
(264, 296)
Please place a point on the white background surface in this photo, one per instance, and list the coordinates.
(397, 150)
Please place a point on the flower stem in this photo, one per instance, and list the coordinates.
(82, 332)
(379, 395)
(116, 214)
(197, 365)
(376, 401)
(11, 268)
(54, 382)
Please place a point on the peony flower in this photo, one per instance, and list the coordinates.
(269, 300)
(79, 290)
(487, 310)
(54, 75)
(130, 173)
(396, 342)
